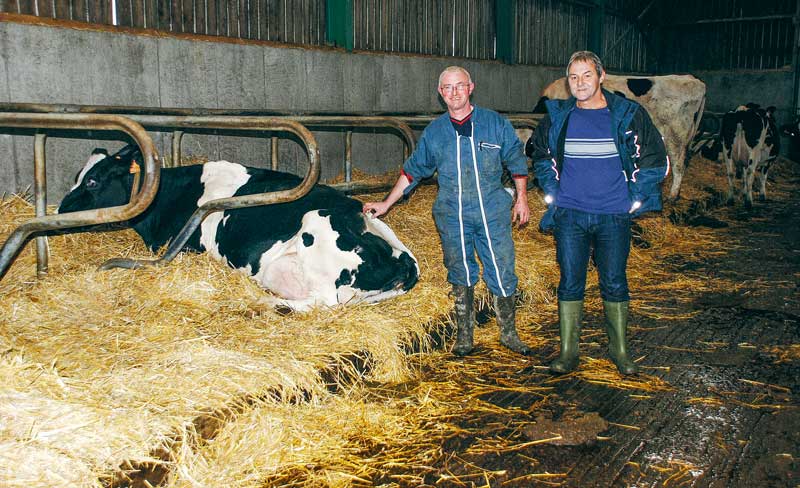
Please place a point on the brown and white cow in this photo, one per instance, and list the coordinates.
(750, 144)
(674, 102)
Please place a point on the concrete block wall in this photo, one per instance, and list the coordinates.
(70, 65)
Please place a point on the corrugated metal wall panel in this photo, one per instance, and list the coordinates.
(464, 28)
(727, 35)
(548, 31)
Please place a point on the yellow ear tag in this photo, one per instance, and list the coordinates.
(134, 167)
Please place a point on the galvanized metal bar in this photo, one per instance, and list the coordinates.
(137, 204)
(273, 147)
(348, 156)
(40, 199)
(735, 19)
(177, 140)
(392, 122)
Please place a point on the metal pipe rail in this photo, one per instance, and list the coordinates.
(348, 121)
(263, 124)
(139, 201)
(145, 115)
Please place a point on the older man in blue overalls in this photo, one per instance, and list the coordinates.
(469, 146)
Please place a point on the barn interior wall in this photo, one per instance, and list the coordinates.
(63, 65)
(725, 90)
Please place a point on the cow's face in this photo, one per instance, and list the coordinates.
(105, 181)
(385, 266)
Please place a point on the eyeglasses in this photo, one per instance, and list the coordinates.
(460, 87)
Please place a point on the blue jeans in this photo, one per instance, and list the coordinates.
(576, 232)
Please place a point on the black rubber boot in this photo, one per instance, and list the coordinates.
(506, 312)
(570, 314)
(465, 318)
(617, 327)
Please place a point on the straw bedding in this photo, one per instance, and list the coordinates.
(102, 370)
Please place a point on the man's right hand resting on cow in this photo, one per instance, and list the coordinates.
(469, 146)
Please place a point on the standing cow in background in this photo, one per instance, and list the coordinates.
(675, 103)
(317, 250)
(750, 144)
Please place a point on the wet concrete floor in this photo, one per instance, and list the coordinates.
(730, 417)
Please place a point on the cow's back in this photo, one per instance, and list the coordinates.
(274, 223)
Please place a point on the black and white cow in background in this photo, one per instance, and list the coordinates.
(674, 102)
(318, 250)
(750, 144)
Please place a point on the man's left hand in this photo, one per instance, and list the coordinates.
(521, 213)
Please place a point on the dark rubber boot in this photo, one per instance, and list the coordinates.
(506, 312)
(570, 314)
(465, 319)
(617, 327)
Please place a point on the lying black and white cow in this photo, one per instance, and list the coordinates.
(318, 250)
(674, 102)
(750, 144)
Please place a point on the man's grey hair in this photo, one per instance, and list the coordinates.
(586, 56)
(454, 69)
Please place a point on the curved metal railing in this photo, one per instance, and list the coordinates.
(139, 201)
(243, 201)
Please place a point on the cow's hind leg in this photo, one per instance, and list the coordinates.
(747, 182)
(730, 172)
(762, 180)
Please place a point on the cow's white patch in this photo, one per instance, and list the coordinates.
(305, 276)
(93, 160)
(221, 179)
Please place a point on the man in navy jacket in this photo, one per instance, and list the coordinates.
(469, 146)
(600, 161)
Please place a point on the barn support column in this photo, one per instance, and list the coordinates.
(504, 15)
(339, 23)
(796, 62)
(597, 15)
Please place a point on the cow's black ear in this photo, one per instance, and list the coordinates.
(100, 150)
(771, 109)
(128, 152)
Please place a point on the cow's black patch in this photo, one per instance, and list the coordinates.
(345, 278)
(308, 239)
(639, 86)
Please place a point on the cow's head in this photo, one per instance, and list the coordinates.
(105, 181)
(386, 268)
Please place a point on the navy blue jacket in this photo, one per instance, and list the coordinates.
(639, 144)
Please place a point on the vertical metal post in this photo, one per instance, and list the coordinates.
(504, 15)
(273, 146)
(177, 138)
(348, 156)
(40, 199)
(796, 62)
(339, 23)
(597, 17)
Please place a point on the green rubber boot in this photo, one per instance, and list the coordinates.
(465, 318)
(570, 314)
(617, 327)
(505, 309)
